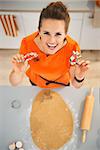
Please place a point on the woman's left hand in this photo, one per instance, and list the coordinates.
(81, 68)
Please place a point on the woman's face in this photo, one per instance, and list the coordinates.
(52, 34)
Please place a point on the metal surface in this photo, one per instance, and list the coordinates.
(14, 123)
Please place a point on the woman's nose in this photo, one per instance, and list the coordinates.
(52, 39)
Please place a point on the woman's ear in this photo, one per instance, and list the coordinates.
(40, 35)
(64, 39)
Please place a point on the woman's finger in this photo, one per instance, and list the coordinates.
(17, 58)
(83, 63)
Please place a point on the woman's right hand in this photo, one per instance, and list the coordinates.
(19, 65)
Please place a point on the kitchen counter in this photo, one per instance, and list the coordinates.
(16, 106)
(37, 5)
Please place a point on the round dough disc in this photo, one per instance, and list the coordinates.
(51, 121)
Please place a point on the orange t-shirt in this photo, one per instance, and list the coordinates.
(53, 67)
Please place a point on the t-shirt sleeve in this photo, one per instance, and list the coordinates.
(23, 47)
(76, 47)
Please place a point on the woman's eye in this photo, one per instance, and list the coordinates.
(46, 33)
(57, 34)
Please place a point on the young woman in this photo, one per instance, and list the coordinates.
(45, 55)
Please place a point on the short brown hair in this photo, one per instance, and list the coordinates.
(55, 10)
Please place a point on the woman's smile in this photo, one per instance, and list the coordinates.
(52, 46)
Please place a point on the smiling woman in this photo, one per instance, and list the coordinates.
(51, 66)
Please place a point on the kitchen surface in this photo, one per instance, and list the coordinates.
(15, 107)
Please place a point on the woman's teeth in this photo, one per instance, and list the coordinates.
(51, 45)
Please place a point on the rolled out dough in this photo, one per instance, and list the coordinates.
(51, 121)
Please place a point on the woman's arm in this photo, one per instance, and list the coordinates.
(16, 78)
(18, 72)
(78, 73)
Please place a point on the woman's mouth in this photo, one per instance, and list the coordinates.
(51, 46)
